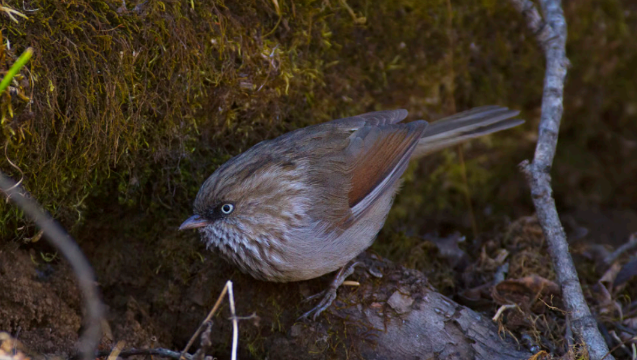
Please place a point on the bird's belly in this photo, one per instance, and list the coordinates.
(314, 255)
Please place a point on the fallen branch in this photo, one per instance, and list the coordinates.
(399, 316)
(69, 249)
(552, 37)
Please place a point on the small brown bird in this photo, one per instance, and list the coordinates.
(308, 202)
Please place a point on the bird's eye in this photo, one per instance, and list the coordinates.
(227, 208)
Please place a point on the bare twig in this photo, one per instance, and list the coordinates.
(552, 37)
(621, 345)
(206, 343)
(116, 350)
(204, 330)
(502, 309)
(153, 352)
(235, 322)
(65, 244)
(208, 319)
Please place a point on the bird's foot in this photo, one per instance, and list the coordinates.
(328, 295)
(315, 296)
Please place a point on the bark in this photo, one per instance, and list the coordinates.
(401, 317)
(551, 35)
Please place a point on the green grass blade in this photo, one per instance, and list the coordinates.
(15, 68)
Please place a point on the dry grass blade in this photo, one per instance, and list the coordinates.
(6, 156)
(10, 12)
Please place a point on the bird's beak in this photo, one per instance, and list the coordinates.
(193, 222)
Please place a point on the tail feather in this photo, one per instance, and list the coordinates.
(464, 126)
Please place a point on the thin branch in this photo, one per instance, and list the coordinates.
(552, 37)
(65, 244)
(206, 343)
(501, 310)
(235, 323)
(208, 319)
(116, 350)
(205, 325)
(153, 352)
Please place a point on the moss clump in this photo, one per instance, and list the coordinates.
(153, 95)
(118, 92)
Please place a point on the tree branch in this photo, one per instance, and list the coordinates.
(69, 249)
(552, 37)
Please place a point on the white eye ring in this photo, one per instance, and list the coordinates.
(227, 208)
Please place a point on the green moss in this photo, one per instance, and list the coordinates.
(158, 94)
(120, 92)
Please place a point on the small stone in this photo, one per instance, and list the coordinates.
(401, 303)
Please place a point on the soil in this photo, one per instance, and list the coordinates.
(150, 305)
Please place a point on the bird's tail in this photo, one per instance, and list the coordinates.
(464, 126)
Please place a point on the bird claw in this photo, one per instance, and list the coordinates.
(313, 297)
(329, 296)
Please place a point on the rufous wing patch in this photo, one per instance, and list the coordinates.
(376, 151)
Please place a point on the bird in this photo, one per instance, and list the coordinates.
(308, 202)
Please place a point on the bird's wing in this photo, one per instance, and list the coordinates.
(355, 160)
(377, 157)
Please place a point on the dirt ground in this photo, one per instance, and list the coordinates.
(150, 306)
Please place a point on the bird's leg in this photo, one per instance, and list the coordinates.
(329, 294)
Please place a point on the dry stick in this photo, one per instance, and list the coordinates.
(153, 352)
(502, 309)
(206, 343)
(235, 322)
(552, 37)
(65, 244)
(116, 350)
